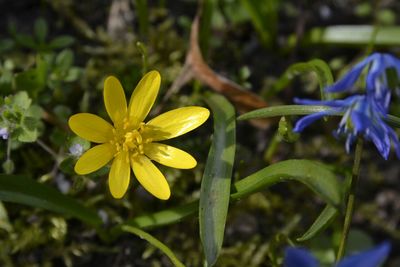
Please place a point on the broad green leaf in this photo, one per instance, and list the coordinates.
(313, 174)
(22, 100)
(323, 220)
(320, 67)
(155, 242)
(23, 190)
(216, 182)
(355, 35)
(29, 131)
(61, 42)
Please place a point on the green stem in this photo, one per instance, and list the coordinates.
(350, 199)
(47, 149)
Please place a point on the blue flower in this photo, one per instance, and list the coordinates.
(362, 115)
(377, 83)
(297, 257)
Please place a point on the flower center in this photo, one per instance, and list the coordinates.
(129, 140)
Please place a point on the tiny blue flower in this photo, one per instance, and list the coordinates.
(4, 133)
(76, 150)
(361, 116)
(297, 257)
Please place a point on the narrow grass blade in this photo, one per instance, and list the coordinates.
(355, 35)
(318, 66)
(23, 190)
(264, 17)
(284, 110)
(155, 242)
(287, 110)
(216, 182)
(323, 220)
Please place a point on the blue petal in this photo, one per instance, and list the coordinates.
(395, 139)
(338, 103)
(376, 80)
(296, 257)
(346, 82)
(307, 120)
(370, 258)
(374, 131)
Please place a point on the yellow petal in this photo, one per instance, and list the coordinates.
(119, 176)
(175, 122)
(169, 156)
(150, 177)
(91, 127)
(143, 97)
(94, 158)
(114, 99)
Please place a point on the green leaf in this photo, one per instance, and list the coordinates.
(143, 17)
(65, 59)
(393, 120)
(22, 100)
(73, 74)
(23, 190)
(216, 182)
(155, 242)
(29, 130)
(34, 111)
(40, 29)
(6, 45)
(61, 42)
(164, 217)
(264, 16)
(323, 220)
(26, 41)
(355, 35)
(207, 15)
(313, 174)
(318, 66)
(34, 80)
(286, 110)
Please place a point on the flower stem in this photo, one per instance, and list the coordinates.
(350, 199)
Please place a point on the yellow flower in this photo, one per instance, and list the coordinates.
(130, 142)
